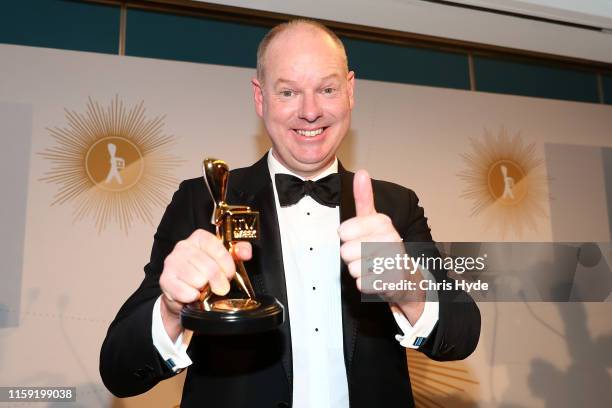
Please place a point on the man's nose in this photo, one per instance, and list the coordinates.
(310, 108)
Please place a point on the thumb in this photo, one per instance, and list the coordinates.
(362, 191)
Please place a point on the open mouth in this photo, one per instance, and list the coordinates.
(310, 132)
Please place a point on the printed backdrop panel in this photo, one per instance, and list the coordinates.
(107, 139)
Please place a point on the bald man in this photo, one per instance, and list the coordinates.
(333, 350)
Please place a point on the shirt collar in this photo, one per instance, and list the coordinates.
(274, 166)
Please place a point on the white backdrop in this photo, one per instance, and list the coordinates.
(74, 278)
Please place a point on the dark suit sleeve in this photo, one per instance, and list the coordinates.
(129, 362)
(456, 334)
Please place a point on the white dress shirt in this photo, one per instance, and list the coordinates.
(311, 260)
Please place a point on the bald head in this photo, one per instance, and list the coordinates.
(292, 33)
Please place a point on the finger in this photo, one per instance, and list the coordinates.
(362, 191)
(355, 268)
(189, 263)
(353, 250)
(242, 251)
(199, 237)
(222, 256)
(350, 251)
(206, 270)
(178, 291)
(215, 249)
(219, 283)
(366, 285)
(361, 268)
(361, 227)
(206, 273)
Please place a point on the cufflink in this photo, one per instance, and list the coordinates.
(418, 341)
(170, 363)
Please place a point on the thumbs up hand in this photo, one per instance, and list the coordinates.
(370, 226)
(366, 226)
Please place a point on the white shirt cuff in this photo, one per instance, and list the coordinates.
(415, 335)
(174, 354)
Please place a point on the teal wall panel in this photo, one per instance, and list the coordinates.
(607, 88)
(186, 38)
(60, 24)
(394, 63)
(518, 78)
(84, 26)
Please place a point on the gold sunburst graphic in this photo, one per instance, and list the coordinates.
(506, 183)
(439, 384)
(113, 163)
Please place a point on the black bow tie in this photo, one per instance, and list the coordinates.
(291, 189)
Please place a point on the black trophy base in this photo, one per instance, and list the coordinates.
(268, 315)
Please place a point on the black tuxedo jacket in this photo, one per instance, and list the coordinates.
(256, 370)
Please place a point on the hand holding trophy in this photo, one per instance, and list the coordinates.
(239, 313)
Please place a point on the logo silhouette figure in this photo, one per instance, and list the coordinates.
(508, 183)
(116, 164)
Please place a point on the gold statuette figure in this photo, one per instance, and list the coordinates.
(247, 313)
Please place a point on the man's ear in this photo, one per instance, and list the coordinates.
(257, 96)
(351, 88)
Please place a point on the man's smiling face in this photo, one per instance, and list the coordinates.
(305, 98)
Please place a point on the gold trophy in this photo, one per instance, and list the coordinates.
(234, 313)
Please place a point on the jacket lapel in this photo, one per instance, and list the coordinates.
(253, 187)
(350, 294)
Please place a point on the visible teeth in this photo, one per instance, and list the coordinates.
(310, 133)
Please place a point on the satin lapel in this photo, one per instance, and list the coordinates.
(268, 250)
(350, 294)
(266, 267)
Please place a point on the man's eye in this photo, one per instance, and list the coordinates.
(286, 93)
(329, 90)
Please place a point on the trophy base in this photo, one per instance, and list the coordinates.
(234, 316)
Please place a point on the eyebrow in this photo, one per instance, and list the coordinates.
(290, 82)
